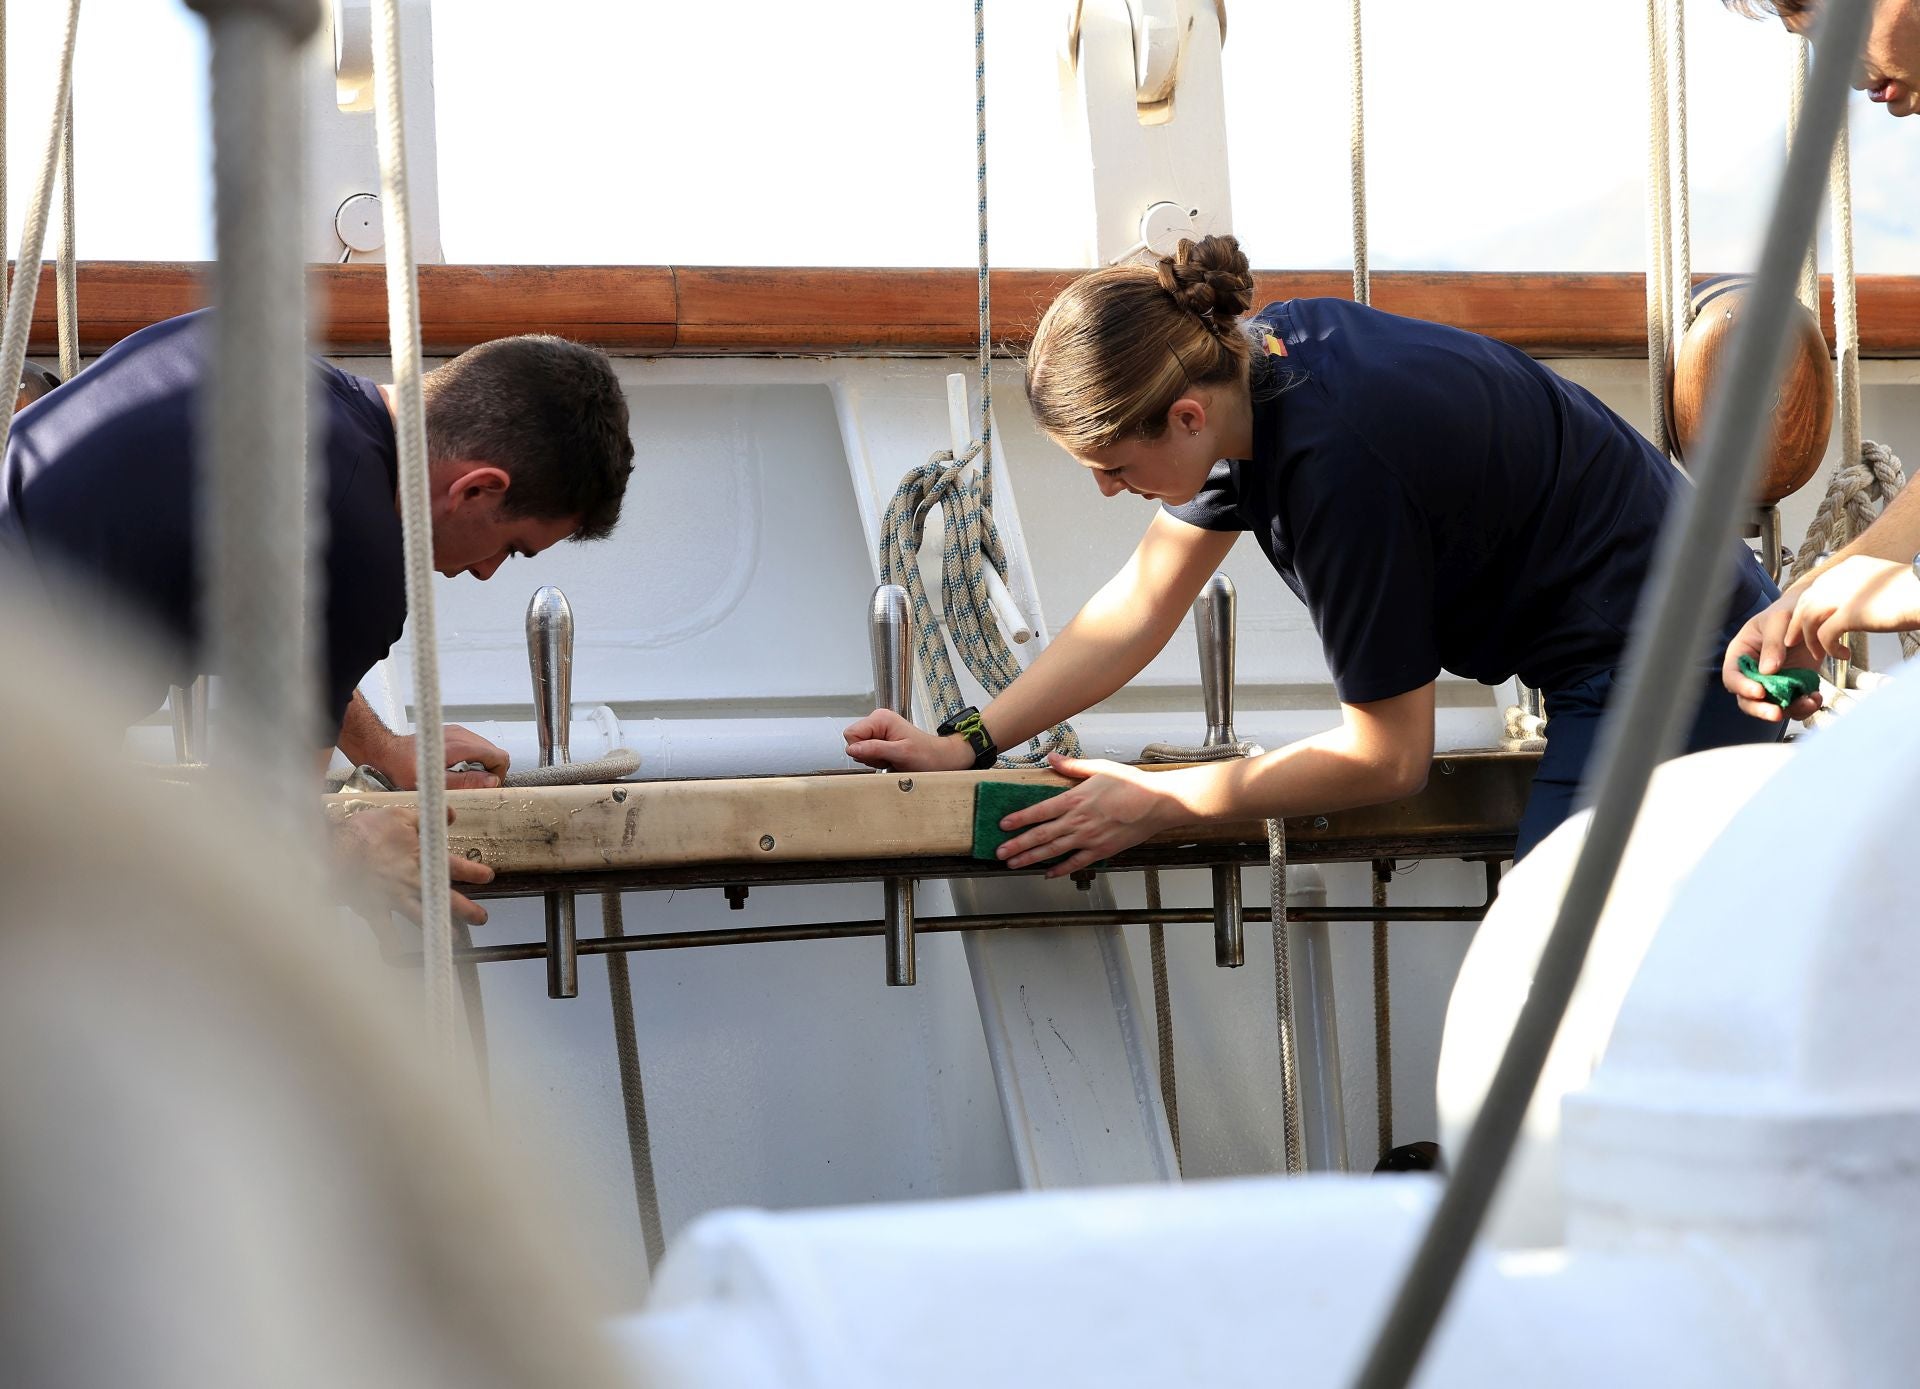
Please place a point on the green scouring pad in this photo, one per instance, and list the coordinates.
(1782, 689)
(993, 801)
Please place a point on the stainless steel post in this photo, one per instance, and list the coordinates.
(1215, 613)
(890, 635)
(1833, 669)
(188, 704)
(1213, 622)
(1769, 520)
(550, 657)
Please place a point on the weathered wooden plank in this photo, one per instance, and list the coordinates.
(837, 817)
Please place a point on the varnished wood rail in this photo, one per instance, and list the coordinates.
(656, 310)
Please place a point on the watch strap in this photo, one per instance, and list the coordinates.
(966, 723)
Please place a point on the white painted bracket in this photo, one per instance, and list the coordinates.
(1072, 1064)
(342, 159)
(1150, 118)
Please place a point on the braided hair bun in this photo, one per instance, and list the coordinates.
(1211, 280)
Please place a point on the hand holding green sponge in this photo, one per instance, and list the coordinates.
(1784, 687)
(993, 801)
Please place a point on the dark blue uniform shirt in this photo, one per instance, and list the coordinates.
(99, 483)
(1441, 501)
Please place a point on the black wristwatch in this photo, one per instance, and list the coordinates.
(967, 724)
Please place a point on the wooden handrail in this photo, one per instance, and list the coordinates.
(653, 310)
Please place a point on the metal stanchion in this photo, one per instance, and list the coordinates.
(550, 655)
(188, 705)
(890, 634)
(1213, 620)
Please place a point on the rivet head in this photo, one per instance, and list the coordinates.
(906, 783)
(766, 842)
(1319, 822)
(619, 795)
(1446, 769)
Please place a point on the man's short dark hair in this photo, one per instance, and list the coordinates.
(547, 411)
(1762, 9)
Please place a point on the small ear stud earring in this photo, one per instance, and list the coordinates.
(1194, 433)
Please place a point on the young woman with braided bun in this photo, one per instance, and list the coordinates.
(1438, 500)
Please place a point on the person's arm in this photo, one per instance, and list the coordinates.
(377, 856)
(1861, 593)
(1109, 641)
(1381, 751)
(1868, 586)
(364, 739)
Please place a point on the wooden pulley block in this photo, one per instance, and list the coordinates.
(1802, 411)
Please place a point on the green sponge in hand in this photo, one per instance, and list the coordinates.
(1782, 689)
(995, 800)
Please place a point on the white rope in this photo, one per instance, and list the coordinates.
(33, 236)
(1357, 159)
(1809, 289)
(986, 297)
(1678, 195)
(633, 1094)
(1382, 1015)
(1846, 307)
(1289, 1043)
(4, 288)
(1659, 232)
(66, 292)
(416, 517)
(615, 766)
(966, 501)
(1292, 1134)
(1163, 1012)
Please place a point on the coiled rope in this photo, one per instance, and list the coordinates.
(966, 500)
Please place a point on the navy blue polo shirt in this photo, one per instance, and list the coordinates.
(1441, 501)
(99, 482)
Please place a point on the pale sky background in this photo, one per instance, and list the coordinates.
(1509, 135)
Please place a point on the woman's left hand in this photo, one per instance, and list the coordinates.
(1113, 808)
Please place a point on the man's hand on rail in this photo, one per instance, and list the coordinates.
(1859, 594)
(377, 853)
(885, 740)
(396, 759)
(1113, 808)
(1764, 638)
